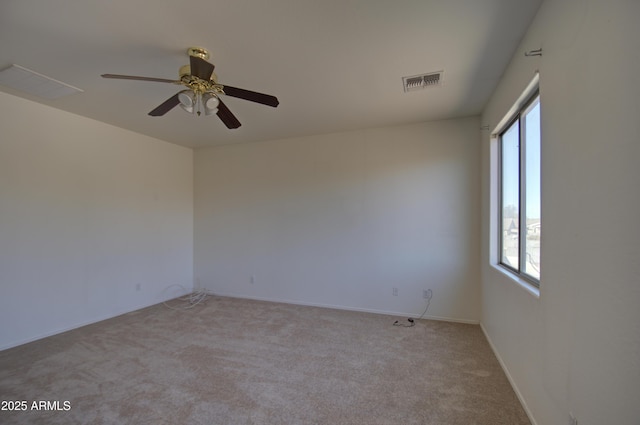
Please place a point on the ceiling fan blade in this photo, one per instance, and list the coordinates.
(201, 68)
(252, 96)
(227, 117)
(133, 77)
(166, 106)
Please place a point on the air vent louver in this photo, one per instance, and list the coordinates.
(418, 82)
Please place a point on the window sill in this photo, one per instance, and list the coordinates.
(522, 283)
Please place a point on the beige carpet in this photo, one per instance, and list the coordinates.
(231, 361)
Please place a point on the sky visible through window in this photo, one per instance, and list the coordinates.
(532, 134)
(510, 171)
(511, 165)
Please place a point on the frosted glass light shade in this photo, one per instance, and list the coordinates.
(187, 100)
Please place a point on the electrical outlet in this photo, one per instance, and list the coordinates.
(395, 292)
(426, 293)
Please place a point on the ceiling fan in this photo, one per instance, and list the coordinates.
(203, 94)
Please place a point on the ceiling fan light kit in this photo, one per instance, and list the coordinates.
(197, 103)
(203, 94)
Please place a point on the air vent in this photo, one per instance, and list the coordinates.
(419, 82)
(28, 81)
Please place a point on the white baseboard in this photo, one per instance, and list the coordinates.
(342, 307)
(91, 321)
(230, 295)
(509, 377)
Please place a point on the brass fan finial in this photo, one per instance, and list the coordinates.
(199, 52)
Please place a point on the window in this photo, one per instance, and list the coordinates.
(519, 185)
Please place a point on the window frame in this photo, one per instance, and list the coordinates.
(521, 110)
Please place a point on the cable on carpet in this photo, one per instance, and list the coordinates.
(412, 322)
(188, 301)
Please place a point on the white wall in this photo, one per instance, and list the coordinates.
(87, 212)
(576, 348)
(339, 220)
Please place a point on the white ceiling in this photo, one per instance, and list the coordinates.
(335, 65)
